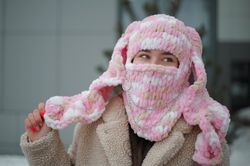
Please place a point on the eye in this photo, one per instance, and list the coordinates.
(168, 59)
(144, 56)
(141, 57)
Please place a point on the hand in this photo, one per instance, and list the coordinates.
(34, 124)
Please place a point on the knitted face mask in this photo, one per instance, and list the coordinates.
(150, 99)
(152, 115)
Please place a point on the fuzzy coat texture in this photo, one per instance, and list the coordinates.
(106, 143)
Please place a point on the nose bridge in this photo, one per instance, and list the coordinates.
(155, 58)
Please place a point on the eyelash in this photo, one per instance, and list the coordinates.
(145, 56)
(168, 58)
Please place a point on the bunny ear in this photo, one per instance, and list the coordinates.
(200, 77)
(116, 69)
(198, 70)
(212, 117)
(88, 106)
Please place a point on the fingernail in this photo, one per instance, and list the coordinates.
(42, 114)
(34, 129)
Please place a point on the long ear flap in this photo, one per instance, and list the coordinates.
(88, 106)
(200, 76)
(212, 117)
(198, 70)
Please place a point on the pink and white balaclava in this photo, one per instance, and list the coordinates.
(155, 96)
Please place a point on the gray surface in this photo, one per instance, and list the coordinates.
(227, 53)
(48, 48)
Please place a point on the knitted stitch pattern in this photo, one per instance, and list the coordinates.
(151, 96)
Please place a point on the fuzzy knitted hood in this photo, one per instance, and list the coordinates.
(160, 32)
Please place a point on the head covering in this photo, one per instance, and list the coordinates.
(156, 32)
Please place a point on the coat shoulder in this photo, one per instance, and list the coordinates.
(184, 156)
(115, 110)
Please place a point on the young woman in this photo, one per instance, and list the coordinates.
(159, 118)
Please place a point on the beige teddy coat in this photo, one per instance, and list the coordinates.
(106, 142)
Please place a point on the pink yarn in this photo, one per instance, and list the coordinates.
(157, 32)
(150, 99)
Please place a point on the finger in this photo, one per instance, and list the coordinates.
(34, 129)
(27, 123)
(41, 107)
(37, 117)
(32, 119)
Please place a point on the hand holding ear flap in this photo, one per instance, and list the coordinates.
(61, 111)
(88, 106)
(212, 117)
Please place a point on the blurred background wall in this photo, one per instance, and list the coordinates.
(233, 52)
(47, 48)
(52, 47)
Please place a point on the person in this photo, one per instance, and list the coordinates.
(160, 117)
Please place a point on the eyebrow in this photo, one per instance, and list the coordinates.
(164, 52)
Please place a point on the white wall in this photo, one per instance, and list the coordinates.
(47, 48)
(233, 20)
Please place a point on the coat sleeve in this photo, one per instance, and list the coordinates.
(49, 150)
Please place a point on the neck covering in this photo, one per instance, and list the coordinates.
(151, 96)
(152, 117)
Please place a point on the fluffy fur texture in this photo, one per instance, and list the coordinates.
(157, 32)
